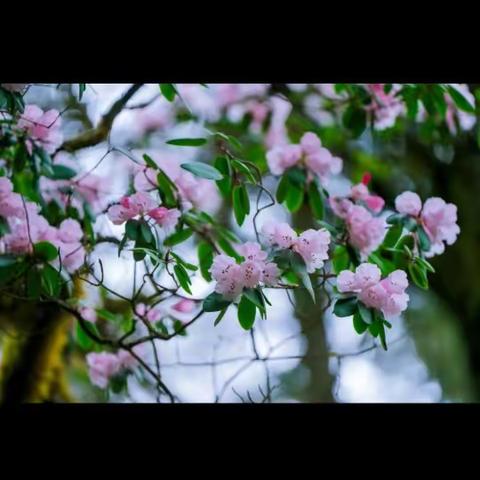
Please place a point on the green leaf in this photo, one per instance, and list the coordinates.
(215, 302)
(202, 170)
(146, 232)
(297, 176)
(183, 278)
(418, 275)
(166, 189)
(427, 265)
(423, 240)
(178, 327)
(61, 172)
(316, 201)
(358, 324)
(294, 198)
(393, 236)
(132, 228)
(226, 246)
(355, 119)
(460, 101)
(182, 262)
(222, 164)
(205, 259)
(7, 260)
(45, 251)
(246, 313)
(83, 340)
(187, 142)
(107, 315)
(255, 297)
(50, 281)
(150, 162)
(168, 91)
(282, 189)
(298, 266)
(81, 90)
(220, 317)
(33, 283)
(365, 313)
(340, 259)
(345, 307)
(239, 208)
(178, 237)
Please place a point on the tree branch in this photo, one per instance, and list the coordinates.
(100, 132)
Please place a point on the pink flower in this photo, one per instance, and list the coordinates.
(346, 281)
(440, 221)
(375, 203)
(387, 295)
(88, 314)
(318, 159)
(282, 158)
(385, 107)
(184, 306)
(126, 359)
(141, 202)
(102, 367)
(279, 234)
(166, 218)
(118, 214)
(270, 274)
(313, 245)
(366, 232)
(251, 273)
(6, 187)
(408, 203)
(366, 275)
(340, 206)
(252, 251)
(232, 278)
(231, 284)
(151, 314)
(42, 127)
(137, 204)
(70, 231)
(310, 143)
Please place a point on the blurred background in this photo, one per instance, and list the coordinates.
(300, 353)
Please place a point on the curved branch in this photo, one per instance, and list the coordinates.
(100, 132)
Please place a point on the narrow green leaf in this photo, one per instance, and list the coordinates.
(187, 142)
(178, 237)
(202, 170)
(168, 91)
(316, 201)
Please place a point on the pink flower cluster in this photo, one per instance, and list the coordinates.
(194, 192)
(41, 127)
(309, 153)
(387, 295)
(365, 231)
(142, 203)
(102, 366)
(438, 218)
(311, 245)
(28, 227)
(385, 107)
(232, 277)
